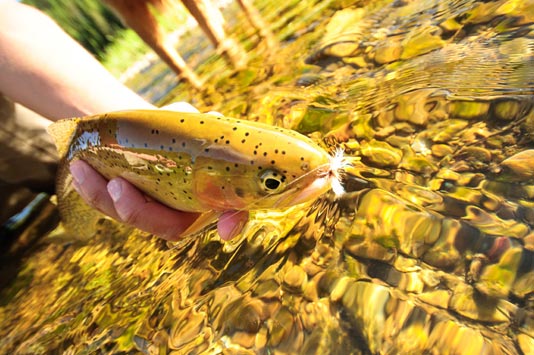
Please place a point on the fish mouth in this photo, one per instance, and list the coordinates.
(318, 187)
(316, 182)
(323, 178)
(320, 183)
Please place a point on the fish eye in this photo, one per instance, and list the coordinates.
(271, 181)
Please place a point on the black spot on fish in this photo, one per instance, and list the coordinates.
(210, 168)
(236, 165)
(276, 151)
(234, 129)
(170, 149)
(302, 158)
(246, 134)
(174, 140)
(207, 150)
(227, 168)
(222, 187)
(161, 147)
(183, 144)
(283, 152)
(243, 140)
(146, 145)
(264, 154)
(227, 142)
(255, 152)
(273, 162)
(170, 183)
(239, 192)
(216, 140)
(182, 120)
(201, 122)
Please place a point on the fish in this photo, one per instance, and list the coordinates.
(191, 162)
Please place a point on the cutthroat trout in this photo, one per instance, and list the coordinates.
(191, 162)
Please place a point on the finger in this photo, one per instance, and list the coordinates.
(135, 209)
(231, 223)
(215, 113)
(92, 187)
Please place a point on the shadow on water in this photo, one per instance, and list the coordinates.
(430, 250)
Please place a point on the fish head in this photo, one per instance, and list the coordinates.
(281, 178)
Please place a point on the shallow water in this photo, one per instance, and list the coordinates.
(430, 251)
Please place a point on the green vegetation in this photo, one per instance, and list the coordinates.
(127, 48)
(92, 24)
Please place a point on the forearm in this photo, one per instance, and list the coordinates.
(44, 69)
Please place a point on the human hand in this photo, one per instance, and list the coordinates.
(122, 201)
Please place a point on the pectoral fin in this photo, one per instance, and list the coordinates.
(205, 221)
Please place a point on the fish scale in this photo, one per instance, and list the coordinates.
(194, 162)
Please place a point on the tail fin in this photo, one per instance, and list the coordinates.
(79, 219)
(62, 132)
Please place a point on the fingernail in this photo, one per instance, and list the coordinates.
(235, 231)
(78, 173)
(115, 190)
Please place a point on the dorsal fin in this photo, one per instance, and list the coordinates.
(62, 131)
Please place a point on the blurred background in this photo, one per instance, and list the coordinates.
(96, 27)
